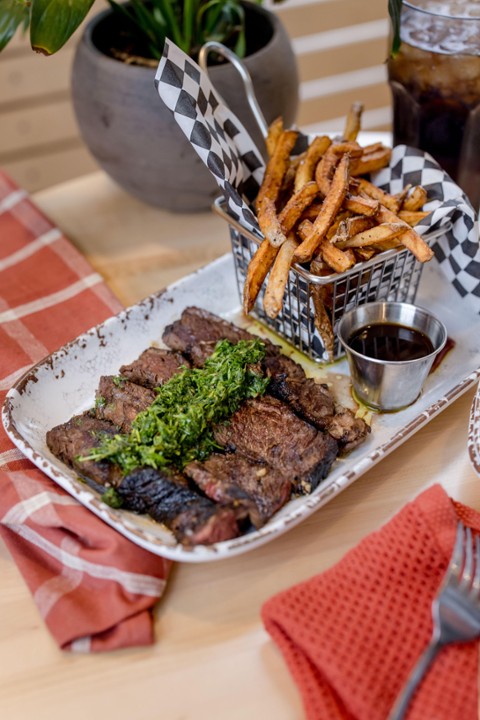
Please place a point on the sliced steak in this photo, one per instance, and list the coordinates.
(167, 498)
(75, 439)
(154, 367)
(266, 429)
(197, 332)
(119, 401)
(234, 478)
(278, 365)
(313, 401)
(348, 430)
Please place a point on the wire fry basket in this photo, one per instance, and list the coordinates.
(390, 275)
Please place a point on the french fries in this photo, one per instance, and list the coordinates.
(372, 236)
(257, 271)
(408, 237)
(277, 280)
(321, 305)
(306, 169)
(277, 167)
(412, 218)
(416, 199)
(353, 121)
(274, 132)
(318, 209)
(391, 202)
(335, 259)
(270, 223)
(330, 207)
(297, 204)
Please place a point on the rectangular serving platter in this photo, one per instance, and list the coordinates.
(64, 384)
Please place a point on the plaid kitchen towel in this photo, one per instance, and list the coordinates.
(352, 634)
(93, 588)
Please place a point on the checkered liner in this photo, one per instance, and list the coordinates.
(215, 133)
(227, 150)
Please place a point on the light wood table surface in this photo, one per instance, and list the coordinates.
(212, 657)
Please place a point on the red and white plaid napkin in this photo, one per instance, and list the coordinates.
(93, 588)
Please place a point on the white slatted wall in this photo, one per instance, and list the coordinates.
(341, 47)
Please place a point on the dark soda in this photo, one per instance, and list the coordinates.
(435, 83)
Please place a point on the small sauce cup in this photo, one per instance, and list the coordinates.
(392, 380)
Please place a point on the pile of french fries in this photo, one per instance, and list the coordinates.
(318, 209)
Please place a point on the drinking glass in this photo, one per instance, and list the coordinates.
(435, 83)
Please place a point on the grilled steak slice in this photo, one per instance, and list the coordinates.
(288, 382)
(278, 365)
(266, 429)
(233, 478)
(167, 498)
(348, 430)
(119, 401)
(198, 331)
(313, 401)
(154, 367)
(75, 439)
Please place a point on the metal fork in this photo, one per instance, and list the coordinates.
(455, 612)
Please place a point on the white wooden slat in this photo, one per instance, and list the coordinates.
(303, 20)
(338, 60)
(371, 120)
(328, 107)
(27, 128)
(53, 167)
(275, 6)
(345, 81)
(32, 77)
(340, 37)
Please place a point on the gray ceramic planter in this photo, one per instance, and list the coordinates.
(134, 137)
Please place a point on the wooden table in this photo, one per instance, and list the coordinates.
(212, 658)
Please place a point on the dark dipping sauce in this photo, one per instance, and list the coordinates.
(390, 342)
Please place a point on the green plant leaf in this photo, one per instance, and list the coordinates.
(395, 9)
(173, 28)
(53, 22)
(208, 15)
(143, 18)
(189, 12)
(12, 14)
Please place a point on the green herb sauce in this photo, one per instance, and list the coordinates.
(112, 498)
(177, 427)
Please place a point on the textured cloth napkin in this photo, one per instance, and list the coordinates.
(351, 635)
(93, 588)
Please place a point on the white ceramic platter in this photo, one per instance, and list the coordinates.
(64, 384)
(474, 433)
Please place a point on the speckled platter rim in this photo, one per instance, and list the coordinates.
(473, 441)
(64, 384)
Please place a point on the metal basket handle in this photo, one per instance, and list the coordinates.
(229, 55)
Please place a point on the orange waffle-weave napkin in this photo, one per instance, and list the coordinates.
(93, 588)
(351, 635)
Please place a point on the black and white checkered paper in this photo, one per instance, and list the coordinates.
(227, 150)
(215, 133)
(457, 250)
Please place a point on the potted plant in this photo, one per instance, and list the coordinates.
(123, 122)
